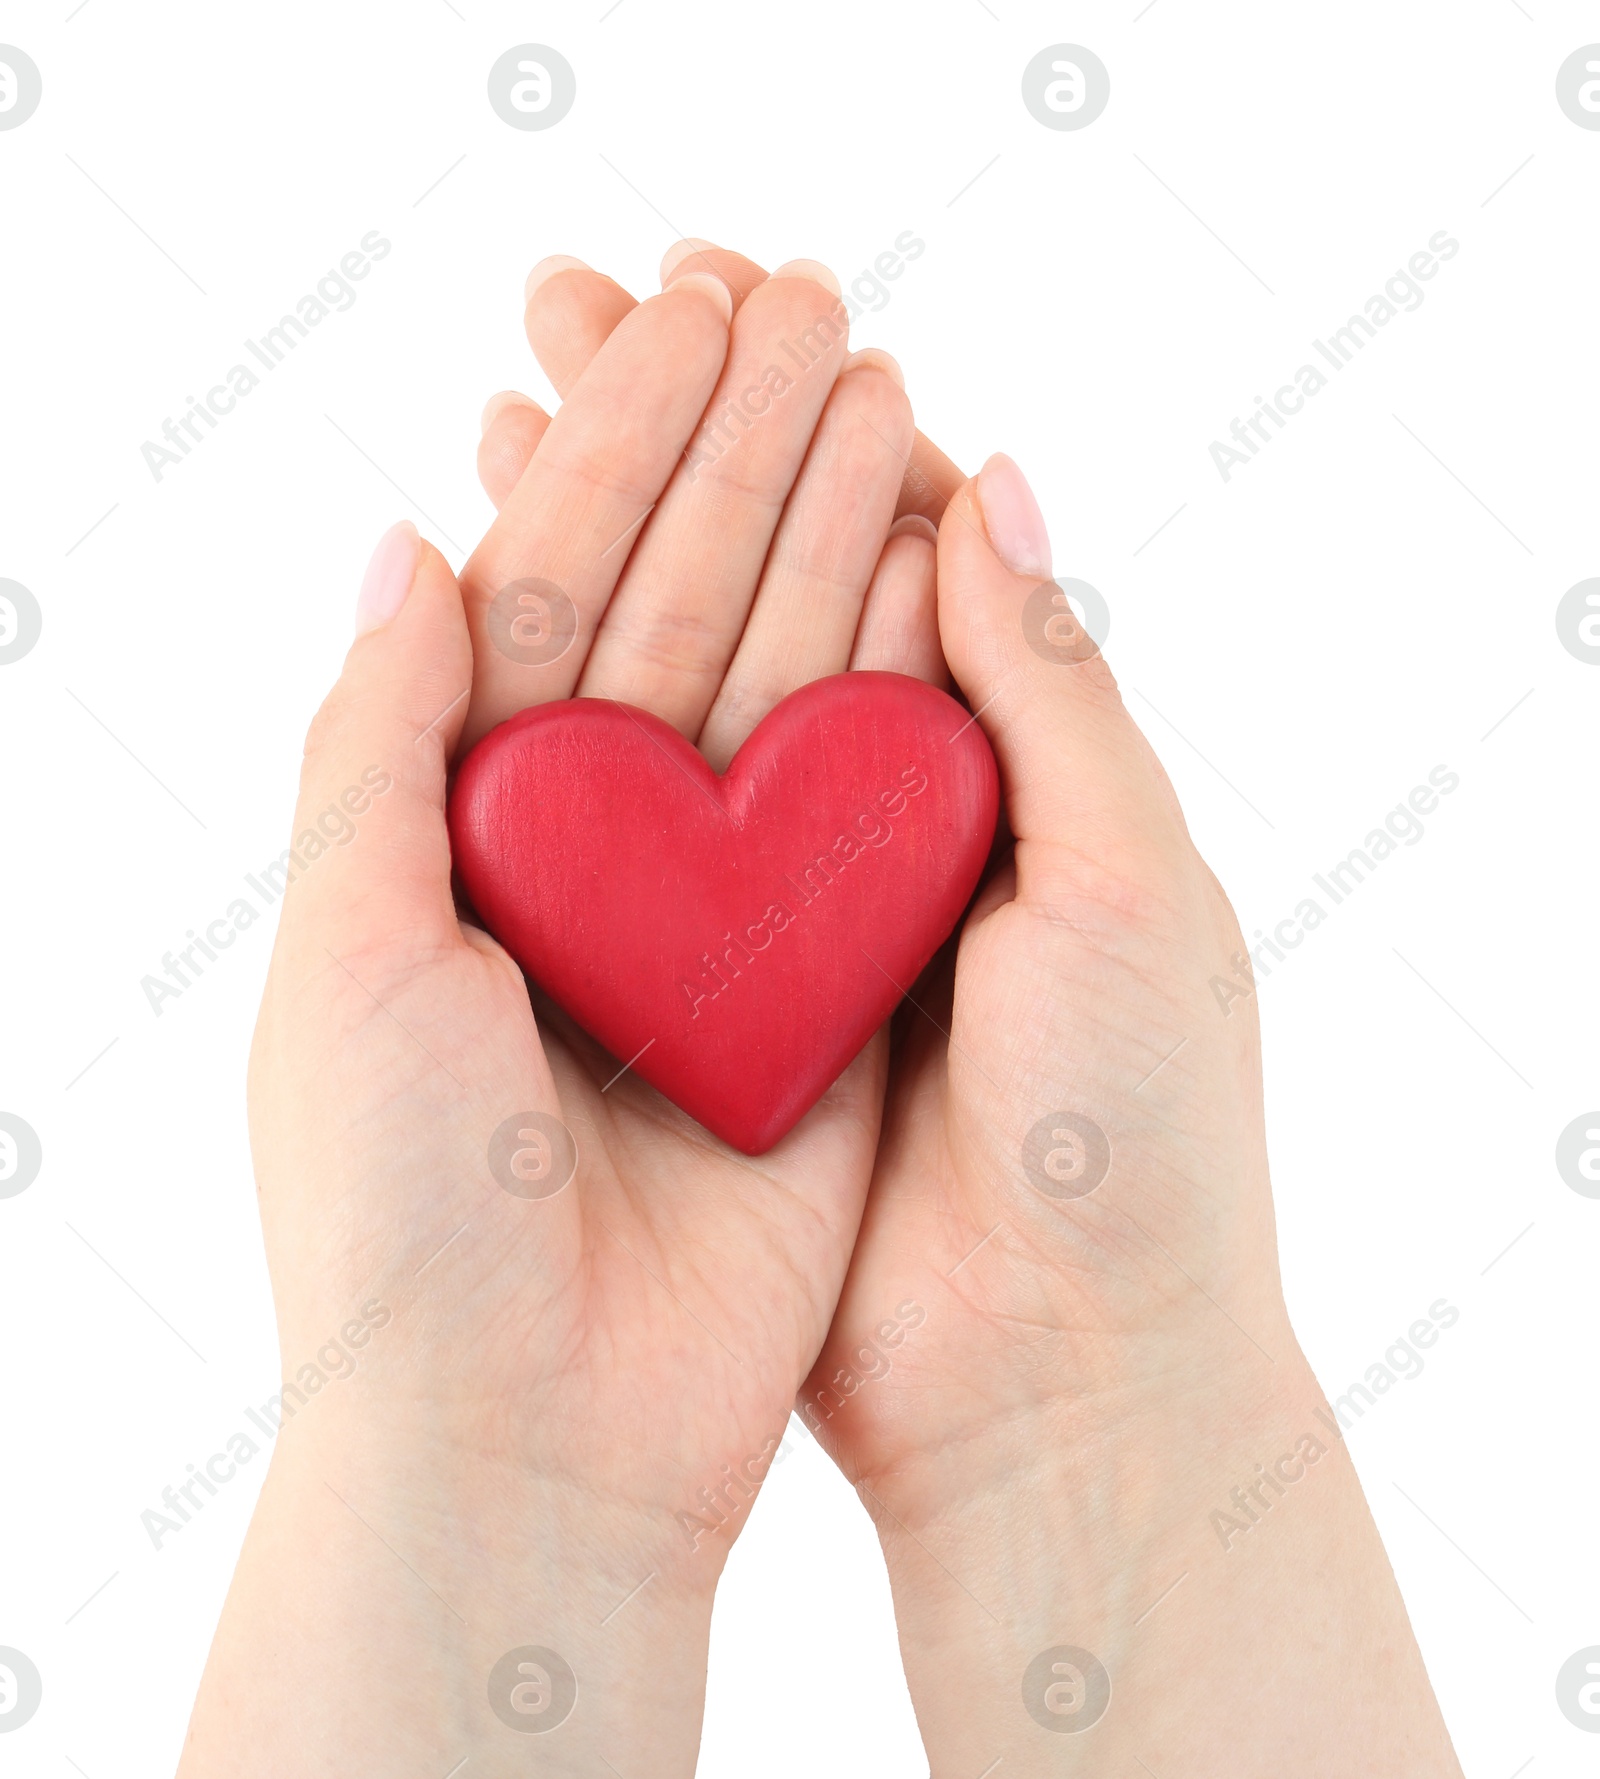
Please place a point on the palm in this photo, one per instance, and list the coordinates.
(685, 1288)
(710, 1277)
(624, 1273)
(1063, 998)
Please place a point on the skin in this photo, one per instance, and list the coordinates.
(519, 1457)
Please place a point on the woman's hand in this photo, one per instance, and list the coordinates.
(1072, 1179)
(563, 1383)
(1072, 1190)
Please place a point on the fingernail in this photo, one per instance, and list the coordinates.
(713, 289)
(679, 251)
(915, 525)
(871, 358)
(388, 578)
(547, 268)
(496, 405)
(1012, 518)
(813, 269)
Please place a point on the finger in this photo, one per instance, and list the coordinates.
(573, 315)
(512, 428)
(678, 613)
(568, 318)
(569, 311)
(930, 477)
(808, 605)
(571, 520)
(741, 275)
(899, 628)
(370, 859)
(930, 482)
(1083, 789)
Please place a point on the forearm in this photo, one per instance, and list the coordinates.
(383, 1589)
(1219, 1562)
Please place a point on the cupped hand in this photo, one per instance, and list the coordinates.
(575, 1379)
(1072, 1171)
(1105, 1396)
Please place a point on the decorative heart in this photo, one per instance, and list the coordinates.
(735, 941)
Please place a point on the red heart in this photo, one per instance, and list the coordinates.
(735, 940)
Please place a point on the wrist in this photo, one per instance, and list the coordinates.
(1097, 1421)
(1134, 1571)
(428, 1600)
(1101, 1489)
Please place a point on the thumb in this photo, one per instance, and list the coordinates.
(1079, 779)
(370, 858)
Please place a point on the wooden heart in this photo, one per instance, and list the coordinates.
(736, 940)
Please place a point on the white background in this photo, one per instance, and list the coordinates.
(1303, 644)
